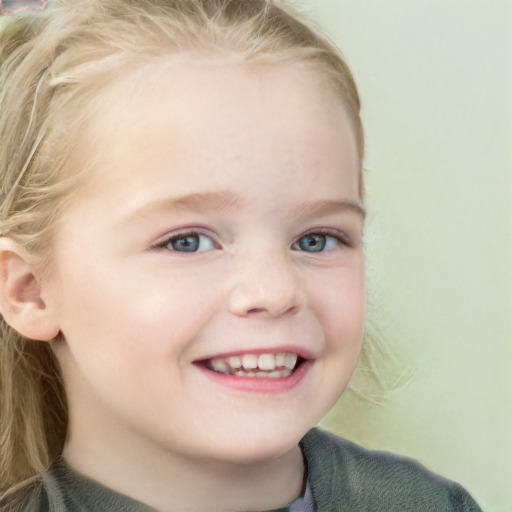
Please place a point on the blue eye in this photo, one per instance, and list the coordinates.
(316, 242)
(189, 242)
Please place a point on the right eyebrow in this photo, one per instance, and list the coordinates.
(223, 201)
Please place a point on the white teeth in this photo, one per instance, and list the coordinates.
(279, 375)
(290, 361)
(253, 365)
(250, 361)
(235, 362)
(280, 360)
(220, 366)
(267, 362)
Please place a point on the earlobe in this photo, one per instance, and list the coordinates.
(21, 304)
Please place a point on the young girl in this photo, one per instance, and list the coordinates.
(181, 264)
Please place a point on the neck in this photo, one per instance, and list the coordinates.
(167, 481)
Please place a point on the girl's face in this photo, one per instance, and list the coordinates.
(219, 229)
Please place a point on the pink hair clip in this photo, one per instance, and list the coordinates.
(10, 7)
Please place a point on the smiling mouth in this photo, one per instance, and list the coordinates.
(273, 366)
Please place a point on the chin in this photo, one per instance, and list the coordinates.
(261, 444)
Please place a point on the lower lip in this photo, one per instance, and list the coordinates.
(262, 385)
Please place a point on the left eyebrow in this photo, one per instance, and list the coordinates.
(327, 207)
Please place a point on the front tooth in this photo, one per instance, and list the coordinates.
(267, 362)
(250, 361)
(235, 362)
(290, 361)
(219, 366)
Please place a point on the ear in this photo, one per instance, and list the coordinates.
(21, 304)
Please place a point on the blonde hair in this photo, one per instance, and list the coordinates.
(54, 63)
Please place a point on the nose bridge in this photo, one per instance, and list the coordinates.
(266, 283)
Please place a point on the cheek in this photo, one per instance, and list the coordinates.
(130, 312)
(340, 306)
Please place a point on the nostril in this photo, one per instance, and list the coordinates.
(271, 311)
(256, 310)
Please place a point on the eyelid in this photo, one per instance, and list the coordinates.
(164, 241)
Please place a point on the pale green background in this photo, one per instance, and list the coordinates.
(435, 80)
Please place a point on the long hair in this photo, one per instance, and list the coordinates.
(52, 65)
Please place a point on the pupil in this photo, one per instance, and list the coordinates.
(313, 243)
(186, 243)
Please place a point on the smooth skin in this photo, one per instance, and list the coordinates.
(221, 214)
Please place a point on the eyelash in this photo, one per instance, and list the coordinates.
(339, 238)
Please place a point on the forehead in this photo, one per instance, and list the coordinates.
(200, 118)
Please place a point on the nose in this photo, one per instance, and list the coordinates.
(266, 285)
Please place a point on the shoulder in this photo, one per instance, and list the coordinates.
(61, 489)
(30, 496)
(346, 476)
(45, 492)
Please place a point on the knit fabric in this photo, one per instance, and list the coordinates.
(347, 478)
